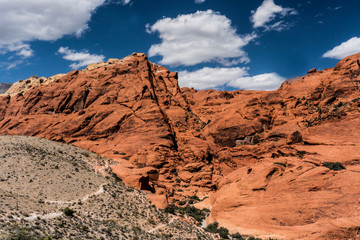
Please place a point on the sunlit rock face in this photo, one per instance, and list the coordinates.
(258, 155)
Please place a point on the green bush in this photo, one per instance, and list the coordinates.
(214, 228)
(68, 212)
(198, 214)
(253, 238)
(171, 208)
(193, 199)
(237, 236)
(116, 177)
(336, 166)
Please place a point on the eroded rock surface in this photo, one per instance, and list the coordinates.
(257, 154)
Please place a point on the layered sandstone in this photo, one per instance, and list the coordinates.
(257, 154)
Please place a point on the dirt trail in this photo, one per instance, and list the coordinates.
(85, 198)
(162, 225)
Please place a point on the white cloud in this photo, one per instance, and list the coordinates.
(199, 1)
(266, 81)
(345, 49)
(22, 21)
(13, 64)
(20, 49)
(207, 78)
(81, 59)
(123, 2)
(204, 36)
(21, 52)
(267, 12)
(213, 78)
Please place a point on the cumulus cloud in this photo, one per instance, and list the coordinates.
(345, 49)
(267, 13)
(21, 53)
(236, 77)
(266, 81)
(22, 21)
(207, 78)
(204, 36)
(80, 59)
(199, 1)
(20, 49)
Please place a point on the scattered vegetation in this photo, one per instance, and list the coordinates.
(336, 166)
(198, 215)
(193, 199)
(237, 236)
(116, 177)
(22, 233)
(214, 228)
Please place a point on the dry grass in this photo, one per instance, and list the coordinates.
(50, 190)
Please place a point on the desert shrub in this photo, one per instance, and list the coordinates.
(223, 232)
(336, 166)
(193, 199)
(19, 233)
(116, 177)
(85, 228)
(68, 212)
(214, 228)
(198, 214)
(171, 208)
(237, 236)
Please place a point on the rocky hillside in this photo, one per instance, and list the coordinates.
(50, 190)
(283, 164)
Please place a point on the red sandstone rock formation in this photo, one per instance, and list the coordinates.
(257, 154)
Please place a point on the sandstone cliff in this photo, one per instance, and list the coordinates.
(258, 155)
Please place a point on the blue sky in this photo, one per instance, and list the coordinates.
(229, 44)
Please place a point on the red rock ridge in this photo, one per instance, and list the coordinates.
(257, 154)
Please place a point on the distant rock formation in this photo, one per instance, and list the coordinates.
(4, 87)
(23, 86)
(257, 155)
